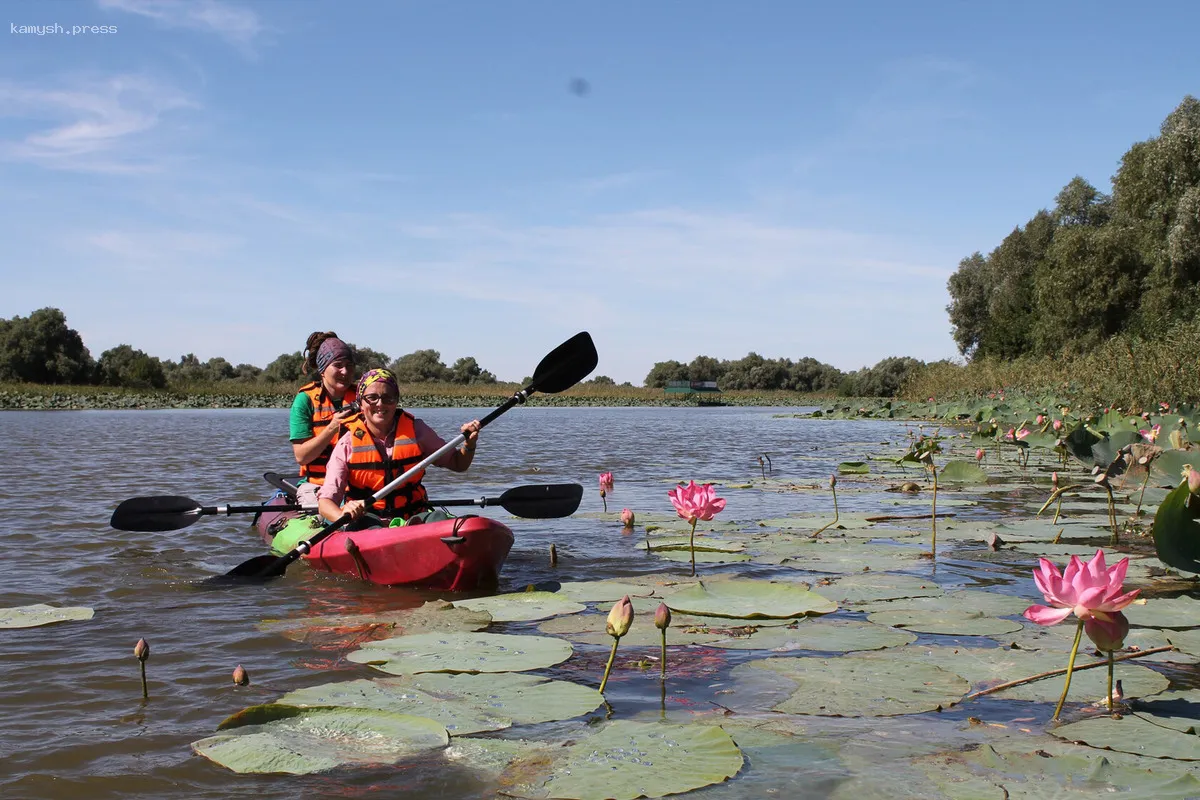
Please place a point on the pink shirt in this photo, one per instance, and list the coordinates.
(337, 471)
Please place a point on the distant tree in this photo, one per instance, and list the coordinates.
(602, 380)
(970, 289)
(124, 366)
(218, 369)
(287, 368)
(41, 348)
(421, 366)
(247, 372)
(466, 370)
(664, 372)
(188, 370)
(882, 380)
(365, 358)
(810, 375)
(705, 368)
(755, 372)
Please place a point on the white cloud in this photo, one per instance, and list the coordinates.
(89, 124)
(237, 25)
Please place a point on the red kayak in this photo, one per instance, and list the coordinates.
(456, 555)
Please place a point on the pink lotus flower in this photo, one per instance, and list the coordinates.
(1041, 419)
(626, 517)
(1110, 635)
(693, 502)
(1012, 432)
(619, 618)
(1057, 425)
(606, 481)
(1193, 478)
(1087, 589)
(979, 454)
(1021, 434)
(1054, 479)
(1164, 406)
(1151, 434)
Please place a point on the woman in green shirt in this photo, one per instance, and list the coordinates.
(320, 408)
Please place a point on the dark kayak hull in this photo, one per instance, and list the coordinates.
(456, 555)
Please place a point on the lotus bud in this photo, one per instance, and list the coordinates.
(1041, 419)
(1054, 479)
(979, 454)
(1107, 636)
(1193, 478)
(627, 518)
(620, 618)
(833, 481)
(141, 650)
(240, 676)
(662, 617)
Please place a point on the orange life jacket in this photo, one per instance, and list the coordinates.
(371, 469)
(323, 411)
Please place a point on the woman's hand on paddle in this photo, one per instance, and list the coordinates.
(355, 508)
(471, 431)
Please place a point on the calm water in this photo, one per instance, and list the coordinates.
(74, 722)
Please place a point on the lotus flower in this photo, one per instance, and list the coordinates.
(979, 454)
(606, 486)
(1088, 589)
(141, 651)
(1024, 432)
(1193, 478)
(619, 620)
(1164, 406)
(1107, 636)
(695, 503)
(627, 518)
(1041, 419)
(240, 676)
(1152, 434)
(1057, 425)
(662, 621)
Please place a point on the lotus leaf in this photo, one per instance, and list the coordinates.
(42, 614)
(993, 604)
(1165, 727)
(855, 686)
(461, 652)
(522, 606)
(962, 472)
(347, 630)
(953, 621)
(986, 667)
(626, 760)
(985, 772)
(838, 557)
(1058, 638)
(703, 544)
(1176, 532)
(1187, 641)
(462, 703)
(602, 591)
(821, 635)
(299, 741)
(872, 586)
(684, 557)
(853, 468)
(1159, 612)
(749, 599)
(685, 628)
(812, 522)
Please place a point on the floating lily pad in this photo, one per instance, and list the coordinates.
(1165, 727)
(703, 544)
(748, 599)
(853, 468)
(874, 586)
(462, 652)
(299, 741)
(822, 635)
(622, 761)
(1158, 612)
(854, 686)
(522, 606)
(462, 703)
(346, 630)
(685, 557)
(685, 628)
(993, 604)
(42, 614)
(813, 521)
(602, 591)
(1187, 641)
(947, 621)
(961, 472)
(839, 557)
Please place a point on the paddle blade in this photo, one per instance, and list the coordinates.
(565, 365)
(286, 485)
(551, 501)
(157, 513)
(259, 568)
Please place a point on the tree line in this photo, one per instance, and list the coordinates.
(41, 348)
(1097, 264)
(806, 375)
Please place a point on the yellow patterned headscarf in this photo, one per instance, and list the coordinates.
(373, 376)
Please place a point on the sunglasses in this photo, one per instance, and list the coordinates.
(377, 399)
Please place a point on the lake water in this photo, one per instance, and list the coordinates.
(74, 721)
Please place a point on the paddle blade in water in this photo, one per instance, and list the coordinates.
(550, 501)
(158, 513)
(565, 365)
(257, 570)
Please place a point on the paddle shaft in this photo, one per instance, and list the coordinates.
(330, 528)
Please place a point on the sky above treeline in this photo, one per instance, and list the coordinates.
(486, 179)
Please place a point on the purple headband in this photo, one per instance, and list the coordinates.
(332, 350)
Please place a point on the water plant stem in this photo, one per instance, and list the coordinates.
(819, 531)
(1137, 513)
(663, 661)
(1070, 667)
(1052, 673)
(1112, 513)
(692, 547)
(608, 666)
(933, 511)
(145, 688)
(1057, 494)
(1110, 680)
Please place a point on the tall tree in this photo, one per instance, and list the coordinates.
(287, 368)
(663, 372)
(41, 348)
(421, 366)
(970, 290)
(124, 366)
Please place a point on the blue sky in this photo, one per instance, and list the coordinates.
(792, 178)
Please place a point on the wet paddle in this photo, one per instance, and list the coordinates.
(562, 368)
(171, 512)
(285, 485)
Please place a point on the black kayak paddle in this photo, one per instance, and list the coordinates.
(171, 512)
(562, 368)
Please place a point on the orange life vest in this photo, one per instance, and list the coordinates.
(371, 469)
(323, 411)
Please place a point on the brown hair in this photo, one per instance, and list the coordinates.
(315, 340)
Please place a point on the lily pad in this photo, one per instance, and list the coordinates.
(602, 591)
(813, 521)
(42, 614)
(703, 544)
(1158, 612)
(298, 741)
(855, 686)
(1187, 641)
(685, 557)
(522, 606)
(993, 604)
(962, 472)
(874, 586)
(346, 630)
(462, 703)
(462, 652)
(685, 628)
(749, 599)
(853, 468)
(823, 634)
(947, 621)
(1165, 727)
(625, 760)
